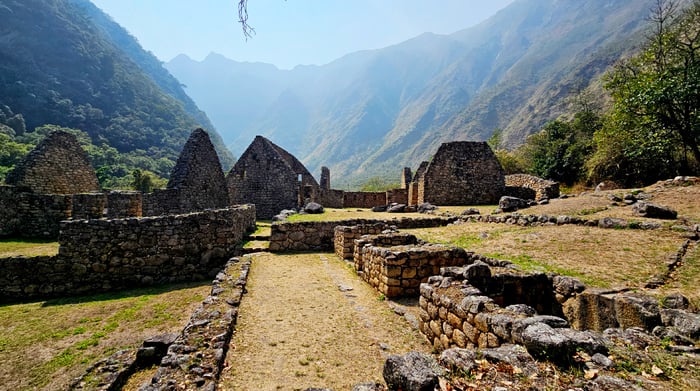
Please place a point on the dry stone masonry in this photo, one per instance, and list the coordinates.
(462, 173)
(58, 165)
(102, 255)
(529, 187)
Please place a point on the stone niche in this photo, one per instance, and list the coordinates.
(530, 187)
(58, 165)
(461, 173)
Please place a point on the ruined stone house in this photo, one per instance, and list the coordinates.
(58, 165)
(269, 177)
(460, 173)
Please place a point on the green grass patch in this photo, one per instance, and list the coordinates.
(27, 247)
(529, 264)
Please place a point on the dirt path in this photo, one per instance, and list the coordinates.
(309, 321)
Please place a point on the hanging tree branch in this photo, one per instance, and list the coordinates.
(248, 31)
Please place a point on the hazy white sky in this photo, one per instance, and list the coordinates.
(289, 32)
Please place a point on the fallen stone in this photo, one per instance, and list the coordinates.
(313, 208)
(379, 208)
(654, 211)
(686, 323)
(368, 387)
(612, 222)
(471, 212)
(515, 355)
(413, 371)
(396, 208)
(458, 360)
(426, 207)
(511, 204)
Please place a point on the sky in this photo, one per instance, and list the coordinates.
(289, 32)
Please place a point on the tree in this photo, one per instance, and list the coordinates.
(657, 92)
(559, 151)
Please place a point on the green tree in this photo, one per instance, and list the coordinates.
(559, 151)
(657, 93)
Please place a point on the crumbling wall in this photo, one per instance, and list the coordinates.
(58, 165)
(462, 173)
(102, 255)
(414, 190)
(518, 185)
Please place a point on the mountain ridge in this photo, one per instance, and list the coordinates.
(370, 113)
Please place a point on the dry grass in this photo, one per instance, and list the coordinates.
(297, 329)
(27, 248)
(600, 257)
(44, 345)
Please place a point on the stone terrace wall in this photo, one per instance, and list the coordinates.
(363, 199)
(317, 236)
(542, 188)
(396, 266)
(101, 255)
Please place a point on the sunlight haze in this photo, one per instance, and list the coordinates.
(289, 33)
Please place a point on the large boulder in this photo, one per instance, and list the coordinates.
(511, 204)
(654, 211)
(313, 208)
(413, 371)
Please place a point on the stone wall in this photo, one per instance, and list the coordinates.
(30, 215)
(58, 165)
(542, 188)
(102, 255)
(325, 182)
(413, 188)
(469, 307)
(269, 177)
(396, 265)
(462, 173)
(344, 237)
(399, 196)
(363, 199)
(198, 177)
(320, 236)
(89, 206)
(406, 177)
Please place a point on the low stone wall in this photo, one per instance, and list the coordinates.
(329, 198)
(396, 266)
(363, 199)
(468, 307)
(102, 255)
(542, 187)
(197, 356)
(320, 236)
(344, 242)
(123, 204)
(399, 196)
(89, 205)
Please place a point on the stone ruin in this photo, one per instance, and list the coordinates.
(269, 177)
(462, 173)
(58, 165)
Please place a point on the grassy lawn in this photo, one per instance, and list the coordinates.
(44, 345)
(27, 248)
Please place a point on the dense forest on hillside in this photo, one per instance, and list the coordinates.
(65, 63)
(651, 130)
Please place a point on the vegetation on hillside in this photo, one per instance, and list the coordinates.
(66, 63)
(652, 129)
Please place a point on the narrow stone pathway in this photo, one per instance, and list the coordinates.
(309, 321)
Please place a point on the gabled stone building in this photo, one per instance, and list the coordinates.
(58, 165)
(461, 173)
(269, 177)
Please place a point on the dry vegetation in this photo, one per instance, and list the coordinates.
(44, 345)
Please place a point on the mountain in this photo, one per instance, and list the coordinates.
(65, 62)
(371, 113)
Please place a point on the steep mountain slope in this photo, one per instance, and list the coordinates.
(371, 113)
(64, 62)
